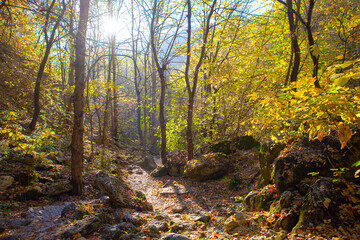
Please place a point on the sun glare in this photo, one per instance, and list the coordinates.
(113, 27)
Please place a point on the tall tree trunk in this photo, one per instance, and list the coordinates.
(108, 92)
(192, 89)
(115, 113)
(294, 42)
(49, 44)
(163, 152)
(314, 55)
(77, 143)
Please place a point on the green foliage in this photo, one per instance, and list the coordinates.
(18, 145)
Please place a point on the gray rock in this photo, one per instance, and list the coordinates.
(159, 172)
(162, 216)
(239, 219)
(203, 218)
(88, 225)
(12, 237)
(57, 188)
(118, 231)
(14, 223)
(120, 194)
(158, 226)
(173, 236)
(208, 167)
(148, 163)
(5, 182)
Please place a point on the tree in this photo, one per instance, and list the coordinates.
(156, 28)
(49, 43)
(77, 143)
(191, 90)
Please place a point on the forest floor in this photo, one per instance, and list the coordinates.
(179, 199)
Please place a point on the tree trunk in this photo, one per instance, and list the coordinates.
(49, 43)
(115, 113)
(294, 42)
(77, 143)
(163, 152)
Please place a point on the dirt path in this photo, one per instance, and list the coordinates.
(181, 195)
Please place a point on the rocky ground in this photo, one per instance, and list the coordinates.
(175, 207)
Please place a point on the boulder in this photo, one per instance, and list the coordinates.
(158, 226)
(295, 165)
(160, 171)
(120, 194)
(176, 163)
(86, 226)
(236, 220)
(173, 236)
(268, 153)
(148, 163)
(261, 200)
(238, 143)
(119, 231)
(323, 202)
(208, 167)
(57, 188)
(5, 182)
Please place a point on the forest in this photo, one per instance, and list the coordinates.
(167, 119)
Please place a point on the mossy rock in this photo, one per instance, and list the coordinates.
(323, 202)
(261, 200)
(207, 167)
(238, 143)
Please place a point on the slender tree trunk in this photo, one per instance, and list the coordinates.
(294, 42)
(313, 54)
(192, 89)
(108, 93)
(163, 152)
(115, 113)
(77, 143)
(49, 43)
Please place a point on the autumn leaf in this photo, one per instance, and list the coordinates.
(326, 202)
(345, 134)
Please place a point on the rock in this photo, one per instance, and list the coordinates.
(179, 226)
(148, 163)
(14, 223)
(5, 182)
(238, 143)
(43, 167)
(162, 216)
(118, 231)
(294, 166)
(178, 208)
(44, 214)
(175, 189)
(173, 236)
(158, 226)
(208, 167)
(12, 237)
(203, 218)
(160, 171)
(58, 188)
(86, 226)
(286, 221)
(120, 194)
(31, 194)
(261, 200)
(285, 199)
(268, 153)
(323, 202)
(176, 163)
(236, 220)
(24, 178)
(75, 211)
